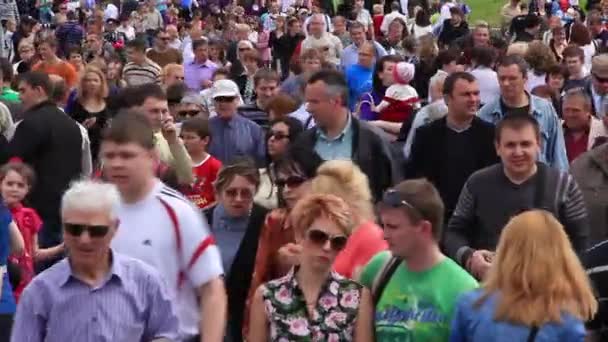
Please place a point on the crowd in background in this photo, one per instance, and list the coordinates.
(297, 170)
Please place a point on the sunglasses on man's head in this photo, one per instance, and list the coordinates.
(95, 231)
(291, 181)
(320, 238)
(393, 199)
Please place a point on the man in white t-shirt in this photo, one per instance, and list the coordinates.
(161, 227)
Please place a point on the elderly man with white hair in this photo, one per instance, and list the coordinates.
(95, 293)
(319, 38)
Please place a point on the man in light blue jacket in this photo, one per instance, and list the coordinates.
(512, 77)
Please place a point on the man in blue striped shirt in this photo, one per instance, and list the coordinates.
(232, 134)
(95, 294)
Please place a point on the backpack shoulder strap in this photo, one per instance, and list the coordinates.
(383, 276)
(533, 333)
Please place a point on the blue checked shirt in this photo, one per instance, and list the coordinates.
(236, 138)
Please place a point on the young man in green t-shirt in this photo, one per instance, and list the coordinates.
(417, 299)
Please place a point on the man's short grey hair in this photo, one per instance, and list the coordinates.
(580, 93)
(91, 196)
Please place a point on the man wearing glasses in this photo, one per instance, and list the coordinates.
(95, 293)
(161, 53)
(597, 87)
(234, 135)
(414, 286)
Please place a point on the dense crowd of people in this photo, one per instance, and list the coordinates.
(296, 170)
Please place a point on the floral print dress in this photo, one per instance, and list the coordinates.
(332, 320)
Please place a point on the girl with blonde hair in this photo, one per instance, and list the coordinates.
(536, 289)
(346, 180)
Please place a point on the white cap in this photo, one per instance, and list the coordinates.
(225, 88)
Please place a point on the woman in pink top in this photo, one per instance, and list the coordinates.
(344, 179)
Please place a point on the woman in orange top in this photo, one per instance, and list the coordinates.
(344, 179)
(51, 64)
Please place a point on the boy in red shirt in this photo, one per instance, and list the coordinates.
(196, 136)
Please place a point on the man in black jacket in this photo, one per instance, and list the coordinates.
(50, 141)
(340, 135)
(448, 150)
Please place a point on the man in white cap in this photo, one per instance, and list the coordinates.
(233, 135)
(597, 87)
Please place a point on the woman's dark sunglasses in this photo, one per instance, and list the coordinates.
(291, 181)
(277, 135)
(96, 231)
(320, 238)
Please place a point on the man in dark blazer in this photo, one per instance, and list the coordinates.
(340, 135)
(448, 150)
(51, 142)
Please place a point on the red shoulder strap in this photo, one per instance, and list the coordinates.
(178, 241)
(178, 237)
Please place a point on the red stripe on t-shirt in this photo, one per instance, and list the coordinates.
(200, 250)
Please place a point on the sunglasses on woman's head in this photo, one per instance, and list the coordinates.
(291, 181)
(320, 238)
(95, 231)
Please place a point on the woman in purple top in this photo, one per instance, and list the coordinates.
(382, 79)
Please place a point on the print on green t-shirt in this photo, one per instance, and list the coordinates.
(417, 306)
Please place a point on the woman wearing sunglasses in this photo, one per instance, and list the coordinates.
(277, 251)
(312, 302)
(235, 223)
(344, 179)
(281, 134)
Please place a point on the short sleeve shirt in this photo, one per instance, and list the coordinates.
(333, 318)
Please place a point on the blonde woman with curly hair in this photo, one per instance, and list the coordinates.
(536, 290)
(313, 302)
(344, 179)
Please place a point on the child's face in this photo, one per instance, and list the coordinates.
(13, 187)
(193, 143)
(75, 58)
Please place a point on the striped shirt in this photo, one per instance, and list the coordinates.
(489, 199)
(236, 138)
(166, 231)
(131, 304)
(136, 74)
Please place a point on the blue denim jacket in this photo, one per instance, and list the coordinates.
(553, 145)
(477, 324)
